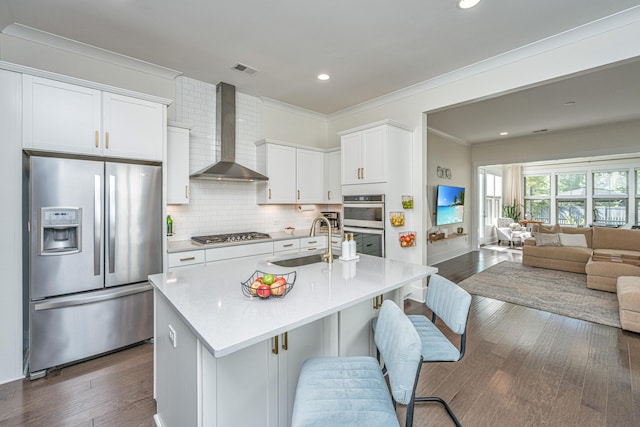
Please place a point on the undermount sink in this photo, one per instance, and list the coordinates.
(299, 261)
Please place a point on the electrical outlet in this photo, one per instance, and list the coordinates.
(173, 338)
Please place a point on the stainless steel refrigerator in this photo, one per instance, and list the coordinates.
(95, 234)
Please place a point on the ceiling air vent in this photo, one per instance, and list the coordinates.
(244, 68)
(540, 131)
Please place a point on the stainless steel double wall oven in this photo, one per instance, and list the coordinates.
(364, 217)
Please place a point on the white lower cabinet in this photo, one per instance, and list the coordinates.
(354, 333)
(185, 259)
(256, 386)
(289, 246)
(221, 254)
(310, 244)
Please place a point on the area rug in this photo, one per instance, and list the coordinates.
(558, 292)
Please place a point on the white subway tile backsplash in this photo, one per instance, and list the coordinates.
(224, 207)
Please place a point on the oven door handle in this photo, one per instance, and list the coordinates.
(363, 205)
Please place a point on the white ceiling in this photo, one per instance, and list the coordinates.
(602, 96)
(369, 47)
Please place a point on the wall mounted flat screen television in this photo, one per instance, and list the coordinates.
(450, 206)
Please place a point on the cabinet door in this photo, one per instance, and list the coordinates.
(281, 170)
(354, 334)
(296, 346)
(351, 158)
(374, 159)
(333, 180)
(310, 244)
(133, 128)
(246, 389)
(309, 176)
(177, 165)
(60, 117)
(176, 347)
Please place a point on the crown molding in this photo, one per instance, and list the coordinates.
(272, 103)
(446, 136)
(48, 39)
(574, 35)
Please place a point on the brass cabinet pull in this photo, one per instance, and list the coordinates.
(285, 344)
(287, 246)
(378, 302)
(329, 195)
(274, 350)
(186, 191)
(97, 139)
(312, 242)
(269, 194)
(106, 140)
(298, 194)
(358, 173)
(362, 177)
(191, 258)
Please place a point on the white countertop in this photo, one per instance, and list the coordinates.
(210, 300)
(187, 245)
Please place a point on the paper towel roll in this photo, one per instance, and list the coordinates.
(306, 208)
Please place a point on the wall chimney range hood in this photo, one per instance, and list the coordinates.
(227, 169)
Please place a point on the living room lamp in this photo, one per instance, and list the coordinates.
(467, 4)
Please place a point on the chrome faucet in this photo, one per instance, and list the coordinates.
(328, 255)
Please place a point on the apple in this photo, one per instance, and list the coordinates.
(268, 279)
(264, 291)
(278, 286)
(253, 288)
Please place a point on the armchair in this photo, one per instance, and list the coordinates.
(510, 231)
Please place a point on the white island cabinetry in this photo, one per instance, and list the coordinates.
(218, 361)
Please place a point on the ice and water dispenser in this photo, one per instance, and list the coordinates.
(60, 230)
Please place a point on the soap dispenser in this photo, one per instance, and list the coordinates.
(352, 247)
(346, 248)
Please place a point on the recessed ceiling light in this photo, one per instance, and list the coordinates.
(504, 133)
(467, 4)
(324, 76)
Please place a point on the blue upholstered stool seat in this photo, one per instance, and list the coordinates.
(343, 391)
(435, 345)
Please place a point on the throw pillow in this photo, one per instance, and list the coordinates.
(545, 239)
(546, 229)
(578, 240)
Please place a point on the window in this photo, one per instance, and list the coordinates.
(610, 197)
(537, 197)
(571, 202)
(493, 198)
(571, 184)
(571, 212)
(637, 196)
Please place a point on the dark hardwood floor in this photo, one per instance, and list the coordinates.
(523, 367)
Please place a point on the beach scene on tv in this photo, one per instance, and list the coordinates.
(450, 207)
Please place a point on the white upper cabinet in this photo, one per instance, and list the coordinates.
(278, 162)
(177, 165)
(296, 175)
(364, 155)
(309, 176)
(61, 117)
(66, 118)
(133, 128)
(332, 177)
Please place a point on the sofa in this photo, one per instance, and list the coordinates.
(602, 253)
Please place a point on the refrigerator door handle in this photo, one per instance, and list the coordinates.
(91, 297)
(97, 225)
(112, 223)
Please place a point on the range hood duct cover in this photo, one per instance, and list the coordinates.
(227, 169)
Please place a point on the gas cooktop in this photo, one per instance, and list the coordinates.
(229, 238)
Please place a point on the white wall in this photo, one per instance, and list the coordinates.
(591, 46)
(223, 207)
(613, 138)
(457, 158)
(285, 123)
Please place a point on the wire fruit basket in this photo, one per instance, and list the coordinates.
(255, 286)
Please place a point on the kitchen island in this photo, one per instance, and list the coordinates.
(222, 358)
